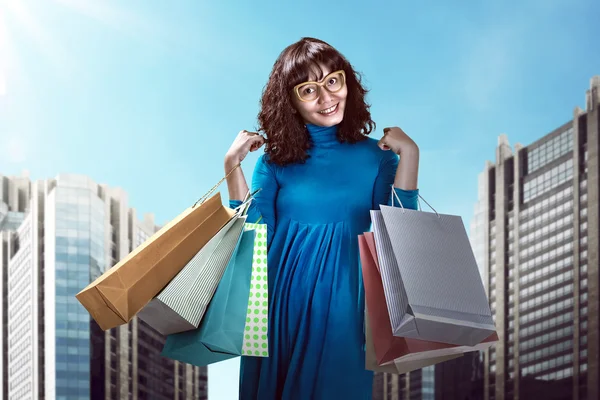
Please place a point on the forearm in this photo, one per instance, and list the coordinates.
(407, 172)
(236, 182)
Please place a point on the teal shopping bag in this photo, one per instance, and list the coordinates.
(221, 333)
(252, 292)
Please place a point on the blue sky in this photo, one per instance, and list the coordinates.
(148, 95)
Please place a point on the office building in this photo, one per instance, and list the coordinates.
(537, 236)
(56, 236)
(415, 385)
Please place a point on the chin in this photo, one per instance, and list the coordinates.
(330, 121)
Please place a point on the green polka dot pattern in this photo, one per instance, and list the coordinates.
(256, 343)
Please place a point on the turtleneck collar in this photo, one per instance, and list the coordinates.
(322, 134)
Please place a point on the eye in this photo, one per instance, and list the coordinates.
(308, 90)
(332, 81)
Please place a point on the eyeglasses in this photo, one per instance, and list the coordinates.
(309, 91)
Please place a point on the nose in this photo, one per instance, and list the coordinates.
(324, 96)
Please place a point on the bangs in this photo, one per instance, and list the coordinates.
(309, 59)
(304, 64)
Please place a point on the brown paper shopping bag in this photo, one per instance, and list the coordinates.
(121, 292)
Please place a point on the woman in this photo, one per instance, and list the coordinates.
(319, 178)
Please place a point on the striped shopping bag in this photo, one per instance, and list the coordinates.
(183, 302)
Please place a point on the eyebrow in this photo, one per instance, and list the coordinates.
(323, 75)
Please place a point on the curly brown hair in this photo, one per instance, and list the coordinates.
(287, 137)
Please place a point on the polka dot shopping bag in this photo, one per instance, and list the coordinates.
(236, 320)
(255, 336)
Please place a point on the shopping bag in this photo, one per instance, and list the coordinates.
(431, 281)
(386, 346)
(396, 366)
(180, 306)
(121, 292)
(257, 317)
(236, 320)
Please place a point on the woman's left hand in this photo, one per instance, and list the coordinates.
(397, 140)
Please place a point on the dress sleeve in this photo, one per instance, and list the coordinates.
(385, 180)
(263, 204)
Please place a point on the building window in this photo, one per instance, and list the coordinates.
(547, 181)
(550, 150)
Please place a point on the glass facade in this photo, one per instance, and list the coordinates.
(428, 383)
(546, 282)
(550, 151)
(156, 373)
(548, 180)
(12, 220)
(67, 231)
(3, 213)
(546, 294)
(79, 253)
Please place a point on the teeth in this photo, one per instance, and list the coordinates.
(327, 111)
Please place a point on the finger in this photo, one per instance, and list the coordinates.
(247, 133)
(256, 138)
(382, 145)
(256, 142)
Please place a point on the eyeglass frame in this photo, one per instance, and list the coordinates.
(320, 85)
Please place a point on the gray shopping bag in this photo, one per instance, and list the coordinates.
(431, 281)
(399, 365)
(180, 306)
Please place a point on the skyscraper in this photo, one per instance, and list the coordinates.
(415, 385)
(535, 234)
(56, 236)
(538, 229)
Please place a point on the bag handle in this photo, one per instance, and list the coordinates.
(203, 198)
(243, 208)
(394, 194)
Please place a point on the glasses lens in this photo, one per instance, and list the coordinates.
(334, 82)
(308, 91)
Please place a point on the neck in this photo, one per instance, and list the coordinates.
(322, 134)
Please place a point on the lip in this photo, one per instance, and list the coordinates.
(335, 107)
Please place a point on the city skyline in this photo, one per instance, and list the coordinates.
(149, 96)
(540, 235)
(56, 236)
(18, 201)
(534, 232)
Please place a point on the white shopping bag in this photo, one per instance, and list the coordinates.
(431, 281)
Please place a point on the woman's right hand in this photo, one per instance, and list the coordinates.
(244, 143)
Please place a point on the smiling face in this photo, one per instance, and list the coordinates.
(321, 101)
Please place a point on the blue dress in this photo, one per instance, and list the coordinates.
(314, 212)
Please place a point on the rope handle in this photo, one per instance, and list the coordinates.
(203, 198)
(394, 194)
